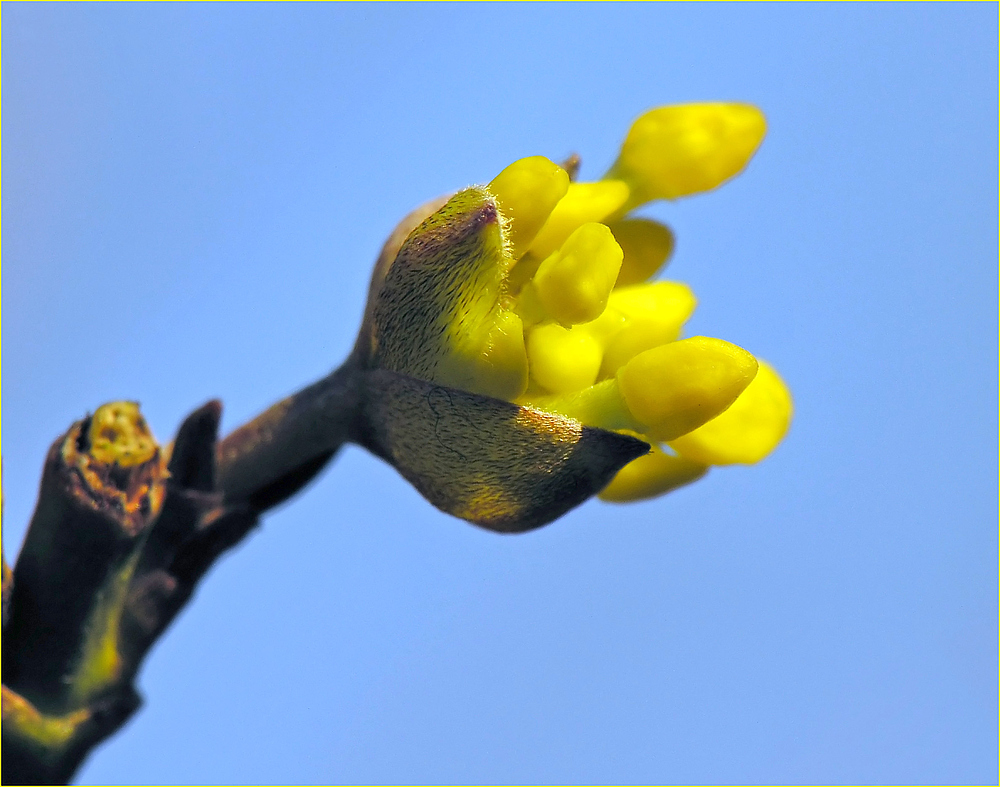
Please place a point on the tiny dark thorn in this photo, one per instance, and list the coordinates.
(571, 165)
(83, 439)
(192, 464)
(629, 448)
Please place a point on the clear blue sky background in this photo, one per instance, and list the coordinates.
(192, 198)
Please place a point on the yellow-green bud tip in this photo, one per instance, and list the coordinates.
(118, 434)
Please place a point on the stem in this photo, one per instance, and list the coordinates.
(43, 749)
(270, 458)
(59, 646)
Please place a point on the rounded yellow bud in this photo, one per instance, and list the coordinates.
(573, 284)
(651, 475)
(488, 359)
(655, 314)
(605, 327)
(584, 202)
(677, 387)
(646, 246)
(674, 151)
(526, 193)
(118, 434)
(562, 360)
(749, 430)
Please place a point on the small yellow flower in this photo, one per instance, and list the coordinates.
(534, 291)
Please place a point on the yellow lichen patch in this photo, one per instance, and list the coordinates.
(526, 192)
(100, 662)
(674, 151)
(651, 475)
(583, 203)
(749, 430)
(118, 434)
(646, 246)
(677, 387)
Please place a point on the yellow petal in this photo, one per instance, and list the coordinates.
(584, 202)
(605, 327)
(28, 729)
(646, 246)
(749, 430)
(667, 300)
(654, 315)
(650, 476)
(526, 192)
(563, 360)
(492, 361)
(573, 283)
(673, 151)
(677, 387)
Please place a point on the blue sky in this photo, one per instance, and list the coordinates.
(192, 199)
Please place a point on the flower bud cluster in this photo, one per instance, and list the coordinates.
(538, 290)
(601, 341)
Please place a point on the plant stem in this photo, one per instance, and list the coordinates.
(270, 458)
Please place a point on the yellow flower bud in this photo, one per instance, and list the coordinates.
(677, 387)
(654, 315)
(563, 360)
(583, 203)
(573, 284)
(654, 474)
(526, 193)
(605, 327)
(749, 430)
(491, 361)
(646, 246)
(118, 434)
(674, 151)
(439, 315)
(516, 358)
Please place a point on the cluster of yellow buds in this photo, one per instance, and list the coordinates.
(535, 289)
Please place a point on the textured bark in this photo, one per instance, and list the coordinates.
(115, 549)
(75, 553)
